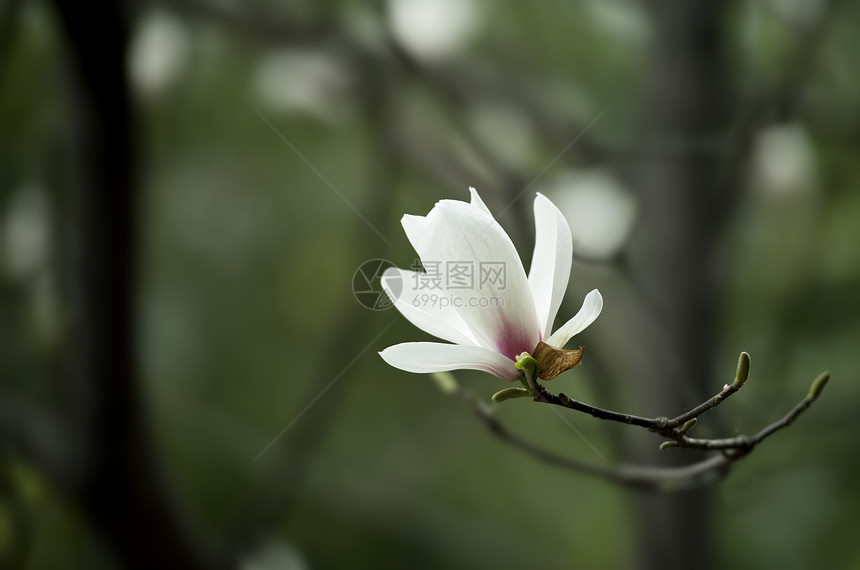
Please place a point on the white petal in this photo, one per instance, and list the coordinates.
(499, 312)
(439, 357)
(414, 228)
(423, 308)
(551, 261)
(478, 203)
(591, 307)
(414, 225)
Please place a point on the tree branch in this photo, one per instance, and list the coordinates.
(662, 425)
(641, 477)
(260, 24)
(644, 478)
(456, 88)
(745, 443)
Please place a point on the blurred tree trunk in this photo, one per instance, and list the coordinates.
(115, 480)
(681, 216)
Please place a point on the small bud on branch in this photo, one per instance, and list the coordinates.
(511, 393)
(817, 386)
(743, 370)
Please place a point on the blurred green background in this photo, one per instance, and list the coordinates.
(278, 145)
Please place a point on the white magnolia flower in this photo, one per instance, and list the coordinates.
(489, 320)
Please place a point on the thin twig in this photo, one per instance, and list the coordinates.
(675, 429)
(641, 477)
(745, 443)
(662, 425)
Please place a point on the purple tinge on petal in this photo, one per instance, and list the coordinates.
(514, 340)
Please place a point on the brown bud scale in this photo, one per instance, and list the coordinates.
(553, 361)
